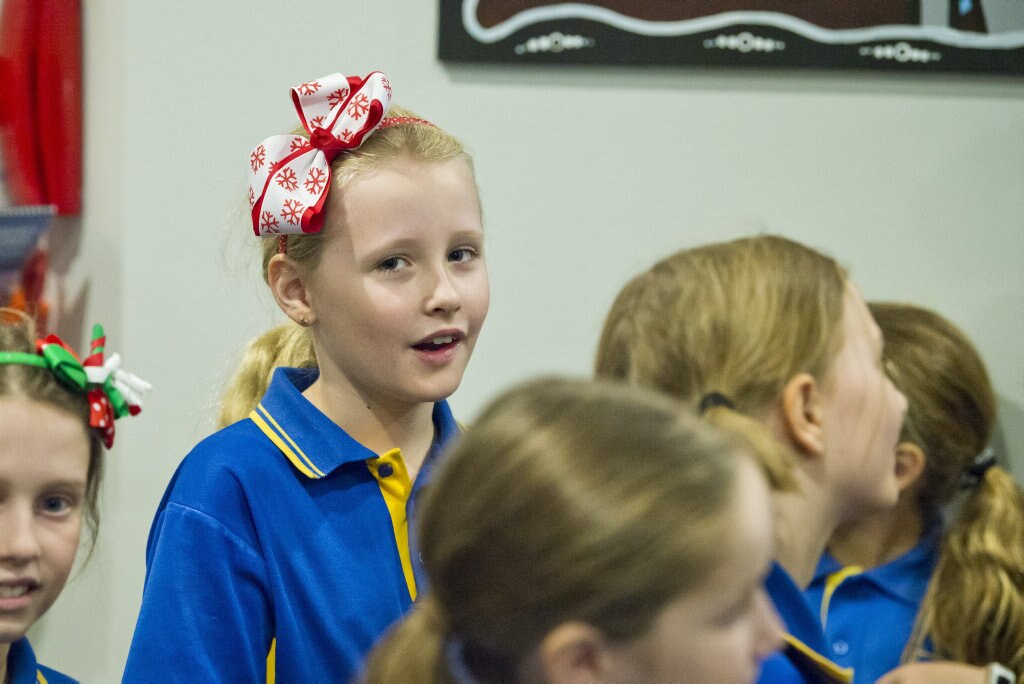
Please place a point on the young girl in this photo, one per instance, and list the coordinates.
(769, 338)
(878, 567)
(281, 547)
(55, 414)
(589, 532)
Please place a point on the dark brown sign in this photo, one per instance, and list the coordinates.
(921, 35)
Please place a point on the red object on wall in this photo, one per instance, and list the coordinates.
(28, 295)
(41, 109)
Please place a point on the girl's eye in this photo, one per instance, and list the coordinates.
(461, 254)
(55, 505)
(394, 263)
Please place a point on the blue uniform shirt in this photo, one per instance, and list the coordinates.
(22, 667)
(280, 548)
(869, 615)
(801, 658)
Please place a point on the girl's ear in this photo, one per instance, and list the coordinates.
(802, 415)
(574, 652)
(287, 284)
(910, 463)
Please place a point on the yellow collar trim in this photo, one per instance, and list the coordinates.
(829, 670)
(266, 423)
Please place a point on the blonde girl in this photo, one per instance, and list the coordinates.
(281, 548)
(769, 338)
(967, 568)
(589, 532)
(56, 414)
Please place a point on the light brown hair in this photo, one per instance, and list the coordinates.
(973, 610)
(738, 318)
(289, 344)
(18, 334)
(568, 500)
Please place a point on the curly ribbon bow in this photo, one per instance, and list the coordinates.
(112, 392)
(289, 175)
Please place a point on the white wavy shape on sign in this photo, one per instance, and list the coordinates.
(717, 22)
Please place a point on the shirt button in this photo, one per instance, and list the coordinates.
(840, 647)
(385, 470)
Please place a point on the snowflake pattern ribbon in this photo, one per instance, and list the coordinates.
(289, 175)
(111, 391)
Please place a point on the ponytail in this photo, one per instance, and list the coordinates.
(285, 345)
(414, 649)
(973, 611)
(776, 460)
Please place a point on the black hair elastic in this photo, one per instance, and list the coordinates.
(712, 399)
(975, 473)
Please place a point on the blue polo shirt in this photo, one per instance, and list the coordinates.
(869, 615)
(22, 667)
(280, 549)
(801, 658)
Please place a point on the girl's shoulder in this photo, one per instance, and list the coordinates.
(224, 446)
(224, 468)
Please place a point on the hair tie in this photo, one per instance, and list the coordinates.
(713, 399)
(975, 472)
(289, 175)
(112, 392)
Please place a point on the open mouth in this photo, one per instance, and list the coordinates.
(437, 343)
(16, 595)
(13, 592)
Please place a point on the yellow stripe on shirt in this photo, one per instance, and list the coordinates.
(282, 441)
(272, 662)
(832, 583)
(396, 489)
(829, 671)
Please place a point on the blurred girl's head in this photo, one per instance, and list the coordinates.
(591, 531)
(776, 329)
(951, 406)
(973, 611)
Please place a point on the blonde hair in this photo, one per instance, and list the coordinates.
(738, 318)
(290, 344)
(18, 334)
(567, 500)
(973, 610)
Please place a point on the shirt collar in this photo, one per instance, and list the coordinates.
(791, 604)
(313, 443)
(21, 662)
(905, 577)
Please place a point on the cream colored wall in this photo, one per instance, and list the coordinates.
(587, 176)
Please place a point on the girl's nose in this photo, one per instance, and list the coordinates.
(442, 295)
(18, 540)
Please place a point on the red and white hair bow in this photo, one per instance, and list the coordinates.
(290, 175)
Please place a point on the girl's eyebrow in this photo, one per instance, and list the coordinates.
(65, 483)
(468, 234)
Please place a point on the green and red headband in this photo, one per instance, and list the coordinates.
(112, 392)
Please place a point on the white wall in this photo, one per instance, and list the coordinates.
(914, 182)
